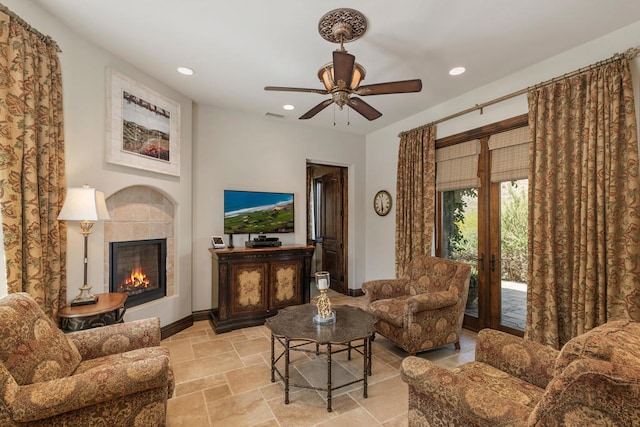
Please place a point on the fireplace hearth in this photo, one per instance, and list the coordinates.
(138, 268)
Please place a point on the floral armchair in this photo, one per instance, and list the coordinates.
(117, 375)
(593, 381)
(424, 308)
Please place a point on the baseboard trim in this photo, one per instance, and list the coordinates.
(355, 292)
(175, 327)
(182, 324)
(201, 315)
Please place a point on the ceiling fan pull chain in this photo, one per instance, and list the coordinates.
(334, 114)
(348, 120)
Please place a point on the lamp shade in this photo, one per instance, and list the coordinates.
(84, 204)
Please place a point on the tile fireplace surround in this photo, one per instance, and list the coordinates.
(140, 213)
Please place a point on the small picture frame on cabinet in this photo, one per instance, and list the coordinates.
(217, 242)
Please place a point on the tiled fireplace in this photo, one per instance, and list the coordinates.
(140, 229)
(138, 268)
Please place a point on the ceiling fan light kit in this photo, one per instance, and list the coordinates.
(327, 77)
(342, 77)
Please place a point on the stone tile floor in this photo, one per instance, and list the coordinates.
(225, 380)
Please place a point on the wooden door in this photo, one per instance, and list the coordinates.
(332, 226)
(486, 226)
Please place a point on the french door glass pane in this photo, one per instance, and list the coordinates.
(513, 249)
(460, 236)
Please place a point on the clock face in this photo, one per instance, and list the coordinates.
(382, 202)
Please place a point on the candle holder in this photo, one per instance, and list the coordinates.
(325, 313)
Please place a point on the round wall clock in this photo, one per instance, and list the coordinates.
(382, 202)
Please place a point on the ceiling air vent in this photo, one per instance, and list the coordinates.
(277, 116)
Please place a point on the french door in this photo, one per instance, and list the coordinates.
(486, 226)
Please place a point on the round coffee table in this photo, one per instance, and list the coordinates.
(294, 328)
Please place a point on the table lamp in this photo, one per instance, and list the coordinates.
(85, 205)
(325, 314)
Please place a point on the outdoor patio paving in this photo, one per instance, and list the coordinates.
(514, 305)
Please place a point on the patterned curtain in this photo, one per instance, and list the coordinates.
(32, 168)
(415, 195)
(584, 195)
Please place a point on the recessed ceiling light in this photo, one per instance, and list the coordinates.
(457, 71)
(185, 70)
(288, 107)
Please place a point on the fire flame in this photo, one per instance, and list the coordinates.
(137, 280)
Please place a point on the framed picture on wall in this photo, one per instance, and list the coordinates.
(143, 126)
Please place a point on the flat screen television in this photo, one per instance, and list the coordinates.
(257, 212)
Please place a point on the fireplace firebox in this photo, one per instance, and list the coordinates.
(138, 268)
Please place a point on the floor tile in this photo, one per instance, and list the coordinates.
(225, 379)
(305, 408)
(356, 418)
(252, 346)
(211, 348)
(187, 411)
(244, 409)
(205, 366)
(249, 378)
(386, 399)
(200, 384)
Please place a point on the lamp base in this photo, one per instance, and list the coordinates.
(85, 297)
(332, 318)
(75, 303)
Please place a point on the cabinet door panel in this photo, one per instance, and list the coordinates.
(250, 293)
(285, 279)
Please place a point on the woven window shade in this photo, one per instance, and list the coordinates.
(457, 166)
(509, 155)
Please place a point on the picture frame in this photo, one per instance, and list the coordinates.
(143, 126)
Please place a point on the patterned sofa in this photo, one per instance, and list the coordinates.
(117, 375)
(594, 380)
(424, 308)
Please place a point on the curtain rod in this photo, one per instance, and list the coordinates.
(628, 54)
(46, 39)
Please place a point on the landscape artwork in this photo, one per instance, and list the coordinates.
(145, 128)
(258, 212)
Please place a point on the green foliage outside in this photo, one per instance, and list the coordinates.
(514, 223)
(460, 233)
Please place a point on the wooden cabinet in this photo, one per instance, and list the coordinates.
(253, 283)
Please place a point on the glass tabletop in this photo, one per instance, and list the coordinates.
(296, 323)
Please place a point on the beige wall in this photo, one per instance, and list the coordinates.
(239, 151)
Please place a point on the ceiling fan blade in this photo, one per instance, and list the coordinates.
(403, 86)
(343, 63)
(296, 89)
(315, 110)
(363, 108)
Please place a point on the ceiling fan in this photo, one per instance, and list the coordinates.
(342, 77)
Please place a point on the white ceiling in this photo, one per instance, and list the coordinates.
(239, 46)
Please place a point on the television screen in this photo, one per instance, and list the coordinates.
(249, 212)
